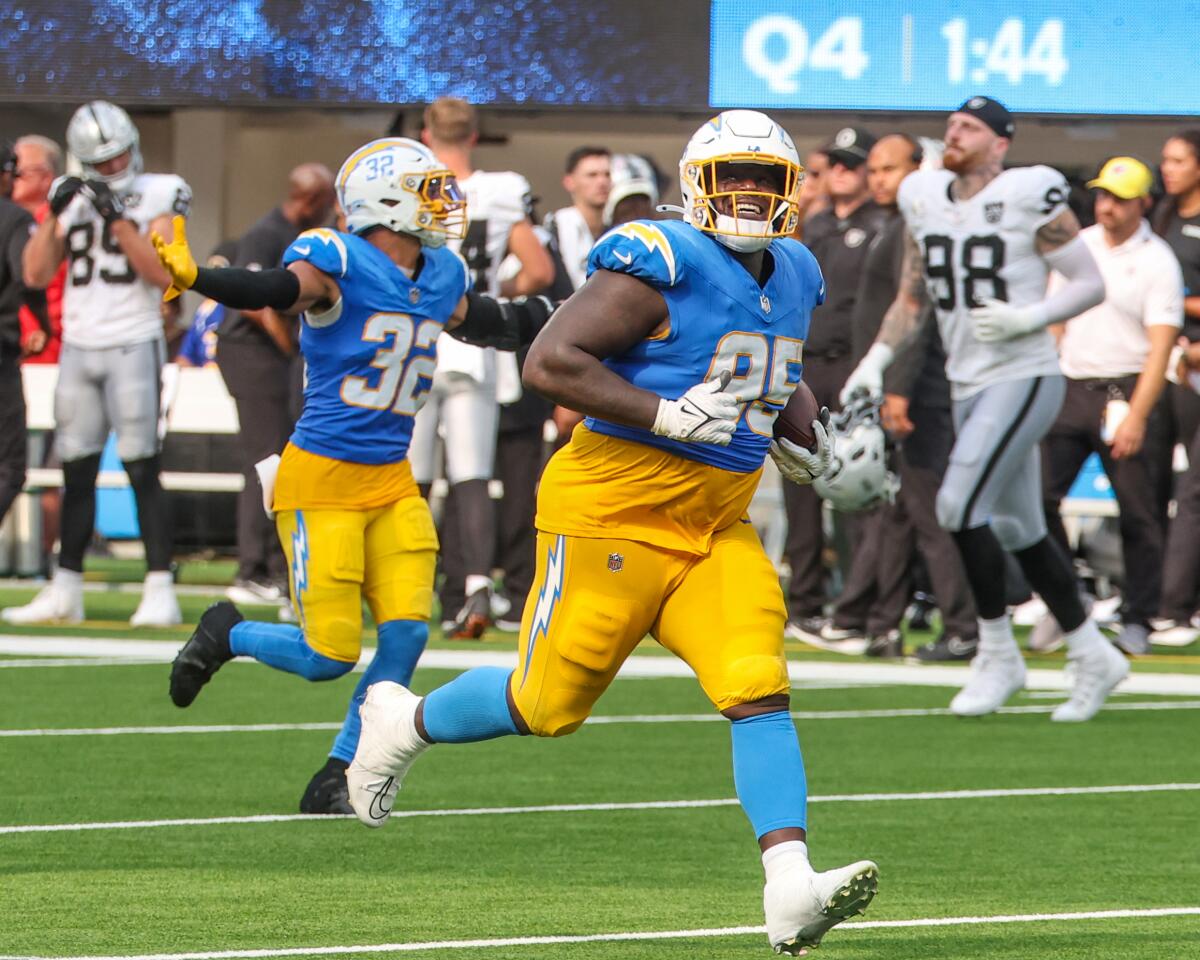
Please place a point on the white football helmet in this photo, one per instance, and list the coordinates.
(631, 176)
(399, 184)
(100, 131)
(741, 137)
(858, 478)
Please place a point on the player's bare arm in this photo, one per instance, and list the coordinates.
(901, 321)
(912, 298)
(43, 253)
(537, 269)
(610, 314)
(1058, 232)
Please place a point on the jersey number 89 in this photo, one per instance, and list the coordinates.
(405, 380)
(761, 373)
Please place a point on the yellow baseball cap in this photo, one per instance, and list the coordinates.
(1124, 177)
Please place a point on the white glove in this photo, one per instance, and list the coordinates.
(868, 375)
(800, 465)
(705, 414)
(997, 320)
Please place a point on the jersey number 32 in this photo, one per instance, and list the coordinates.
(405, 380)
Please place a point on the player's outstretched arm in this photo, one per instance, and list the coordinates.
(504, 324)
(1062, 248)
(299, 287)
(901, 321)
(607, 316)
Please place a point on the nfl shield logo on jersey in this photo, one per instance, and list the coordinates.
(615, 562)
(993, 212)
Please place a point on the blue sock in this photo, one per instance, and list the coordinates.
(400, 645)
(282, 646)
(471, 707)
(768, 772)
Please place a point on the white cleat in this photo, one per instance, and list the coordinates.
(159, 607)
(54, 604)
(801, 905)
(993, 680)
(1096, 673)
(387, 746)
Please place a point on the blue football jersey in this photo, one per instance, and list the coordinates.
(720, 319)
(369, 364)
(199, 346)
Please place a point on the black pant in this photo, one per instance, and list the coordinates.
(1076, 434)
(257, 378)
(876, 590)
(805, 541)
(922, 463)
(1181, 564)
(13, 440)
(519, 460)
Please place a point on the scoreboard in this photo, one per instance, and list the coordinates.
(1066, 56)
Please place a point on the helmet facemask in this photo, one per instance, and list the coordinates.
(743, 220)
(441, 209)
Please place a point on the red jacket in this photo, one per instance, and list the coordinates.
(54, 302)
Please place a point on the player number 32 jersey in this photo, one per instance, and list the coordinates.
(985, 248)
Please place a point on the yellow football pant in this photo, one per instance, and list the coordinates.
(594, 600)
(337, 557)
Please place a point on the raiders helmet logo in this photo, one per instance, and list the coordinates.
(855, 237)
(845, 138)
(993, 212)
(976, 102)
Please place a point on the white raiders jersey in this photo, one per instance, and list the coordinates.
(496, 202)
(983, 248)
(105, 303)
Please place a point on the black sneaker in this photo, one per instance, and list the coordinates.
(807, 629)
(948, 648)
(920, 611)
(204, 653)
(326, 791)
(889, 644)
(474, 617)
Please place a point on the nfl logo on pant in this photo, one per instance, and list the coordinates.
(615, 562)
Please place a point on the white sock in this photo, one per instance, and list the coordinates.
(1084, 639)
(158, 579)
(70, 580)
(996, 637)
(783, 857)
(477, 582)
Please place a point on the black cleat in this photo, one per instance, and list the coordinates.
(326, 791)
(889, 644)
(948, 648)
(474, 618)
(204, 653)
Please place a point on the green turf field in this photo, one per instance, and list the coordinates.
(453, 871)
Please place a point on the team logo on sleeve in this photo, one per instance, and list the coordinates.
(993, 212)
(652, 239)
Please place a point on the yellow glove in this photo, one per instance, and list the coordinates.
(176, 258)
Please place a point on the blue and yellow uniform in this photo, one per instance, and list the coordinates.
(641, 534)
(349, 515)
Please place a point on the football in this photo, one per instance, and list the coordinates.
(795, 420)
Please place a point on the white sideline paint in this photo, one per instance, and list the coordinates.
(923, 675)
(611, 807)
(603, 720)
(639, 935)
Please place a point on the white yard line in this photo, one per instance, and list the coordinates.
(639, 936)
(611, 807)
(820, 671)
(604, 720)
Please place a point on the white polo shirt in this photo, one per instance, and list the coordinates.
(1143, 287)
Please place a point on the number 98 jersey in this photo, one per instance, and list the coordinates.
(105, 303)
(985, 248)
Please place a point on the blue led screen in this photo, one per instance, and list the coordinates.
(519, 52)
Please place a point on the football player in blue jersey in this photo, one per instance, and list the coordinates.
(349, 515)
(681, 348)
